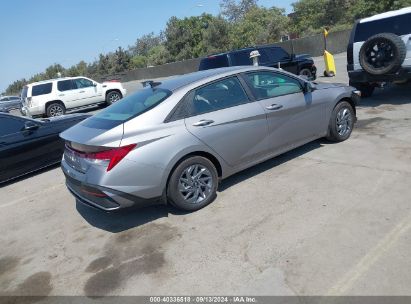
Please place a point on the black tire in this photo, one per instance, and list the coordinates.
(112, 97)
(334, 133)
(176, 197)
(366, 89)
(382, 54)
(306, 72)
(55, 109)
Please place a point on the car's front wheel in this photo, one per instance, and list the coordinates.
(193, 184)
(112, 97)
(341, 122)
(55, 109)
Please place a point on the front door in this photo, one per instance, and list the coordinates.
(293, 116)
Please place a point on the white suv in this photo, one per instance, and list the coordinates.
(53, 97)
(379, 50)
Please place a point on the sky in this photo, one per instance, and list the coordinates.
(37, 33)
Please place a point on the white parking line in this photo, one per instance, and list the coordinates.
(352, 276)
(27, 199)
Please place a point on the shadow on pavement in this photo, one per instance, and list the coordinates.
(121, 220)
(390, 95)
(269, 164)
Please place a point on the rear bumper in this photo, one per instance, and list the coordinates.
(106, 199)
(362, 76)
(33, 111)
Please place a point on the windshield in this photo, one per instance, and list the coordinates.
(127, 108)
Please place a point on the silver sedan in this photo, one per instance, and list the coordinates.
(173, 141)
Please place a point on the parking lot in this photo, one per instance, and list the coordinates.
(324, 219)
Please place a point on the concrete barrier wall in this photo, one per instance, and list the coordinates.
(313, 45)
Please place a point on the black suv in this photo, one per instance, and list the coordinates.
(379, 50)
(269, 56)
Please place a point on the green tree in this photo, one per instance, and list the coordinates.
(365, 8)
(184, 37)
(259, 26)
(216, 36)
(138, 61)
(158, 55)
(234, 11)
(145, 43)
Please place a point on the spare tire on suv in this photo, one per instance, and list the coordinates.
(382, 54)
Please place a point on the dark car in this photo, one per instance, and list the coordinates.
(270, 55)
(8, 103)
(27, 145)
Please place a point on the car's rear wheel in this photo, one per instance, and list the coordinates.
(341, 122)
(112, 97)
(307, 73)
(193, 184)
(55, 109)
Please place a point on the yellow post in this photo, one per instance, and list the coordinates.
(330, 69)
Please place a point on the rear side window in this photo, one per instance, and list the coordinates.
(41, 89)
(65, 85)
(216, 96)
(127, 108)
(214, 62)
(268, 84)
(10, 126)
(275, 55)
(399, 25)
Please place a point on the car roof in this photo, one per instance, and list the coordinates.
(181, 81)
(250, 48)
(54, 79)
(389, 14)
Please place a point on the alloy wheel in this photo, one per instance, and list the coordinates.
(195, 184)
(56, 110)
(344, 121)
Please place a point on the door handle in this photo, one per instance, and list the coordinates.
(61, 94)
(82, 91)
(203, 122)
(274, 107)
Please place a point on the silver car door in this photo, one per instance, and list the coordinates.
(292, 114)
(222, 117)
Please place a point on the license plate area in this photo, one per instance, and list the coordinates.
(73, 159)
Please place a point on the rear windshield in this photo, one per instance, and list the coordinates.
(127, 108)
(214, 62)
(41, 89)
(399, 25)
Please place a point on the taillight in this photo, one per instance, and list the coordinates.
(113, 156)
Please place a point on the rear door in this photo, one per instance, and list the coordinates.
(68, 93)
(222, 116)
(293, 116)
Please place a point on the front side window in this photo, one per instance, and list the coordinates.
(83, 83)
(268, 84)
(127, 108)
(276, 54)
(41, 89)
(218, 95)
(4, 99)
(65, 85)
(10, 126)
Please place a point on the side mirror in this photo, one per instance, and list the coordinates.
(309, 87)
(30, 126)
(94, 84)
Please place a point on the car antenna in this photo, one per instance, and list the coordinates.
(150, 83)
